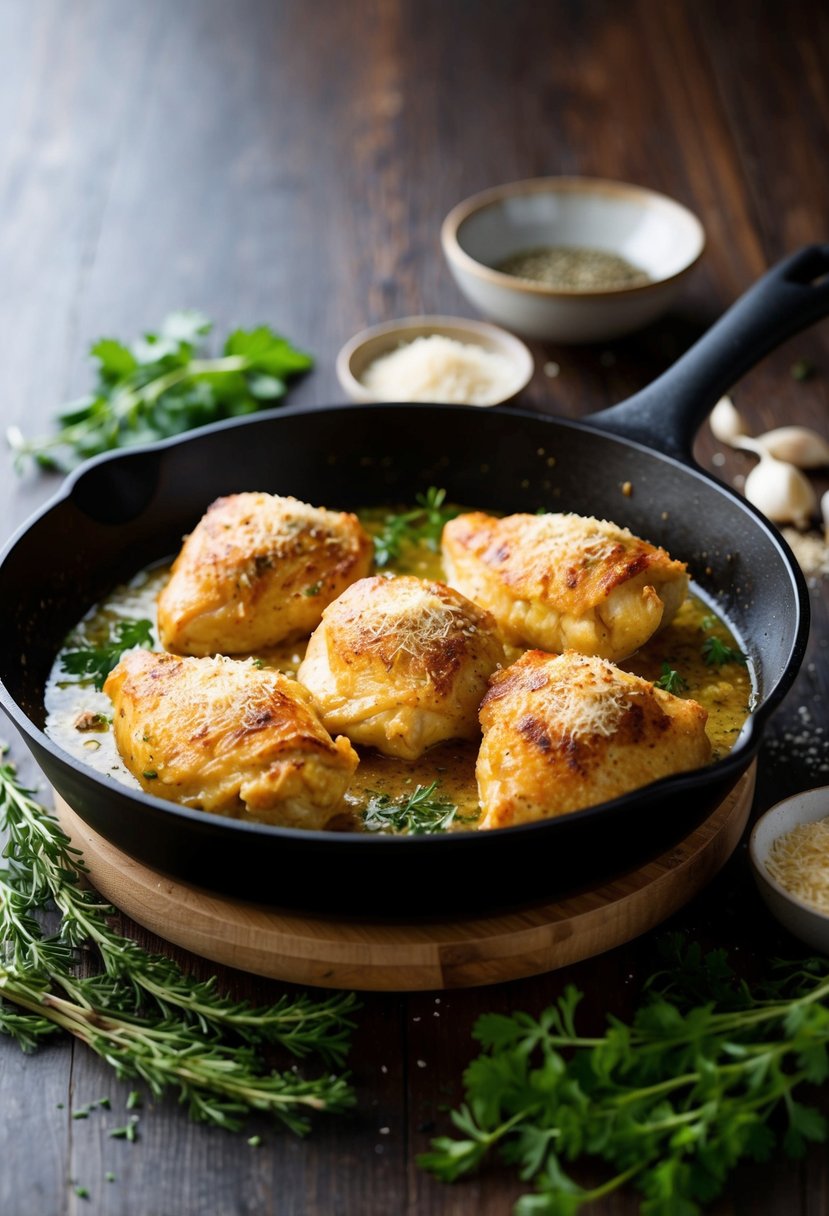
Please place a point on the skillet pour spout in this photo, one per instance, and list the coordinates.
(120, 512)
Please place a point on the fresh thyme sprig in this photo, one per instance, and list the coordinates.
(163, 384)
(142, 1013)
(424, 523)
(670, 1102)
(92, 664)
(420, 813)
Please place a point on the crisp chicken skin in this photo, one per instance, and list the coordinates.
(257, 570)
(563, 582)
(400, 664)
(224, 735)
(563, 732)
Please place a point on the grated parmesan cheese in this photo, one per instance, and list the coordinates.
(799, 861)
(436, 368)
(592, 700)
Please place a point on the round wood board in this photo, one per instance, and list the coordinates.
(397, 956)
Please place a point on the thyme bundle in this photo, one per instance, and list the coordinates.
(148, 1019)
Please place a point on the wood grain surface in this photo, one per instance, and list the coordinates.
(280, 161)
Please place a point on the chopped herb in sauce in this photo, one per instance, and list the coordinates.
(92, 664)
(716, 652)
(671, 681)
(422, 813)
(422, 525)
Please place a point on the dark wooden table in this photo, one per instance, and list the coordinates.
(291, 162)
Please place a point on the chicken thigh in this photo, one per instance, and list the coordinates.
(225, 735)
(258, 570)
(401, 663)
(563, 732)
(563, 582)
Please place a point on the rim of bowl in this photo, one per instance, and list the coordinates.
(760, 866)
(493, 195)
(462, 328)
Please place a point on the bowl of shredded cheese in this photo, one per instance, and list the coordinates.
(434, 359)
(789, 850)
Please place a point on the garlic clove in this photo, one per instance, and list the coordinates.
(726, 421)
(796, 444)
(781, 492)
(824, 510)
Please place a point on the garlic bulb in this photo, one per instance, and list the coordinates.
(726, 421)
(781, 492)
(798, 445)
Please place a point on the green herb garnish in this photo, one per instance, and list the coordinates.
(716, 653)
(92, 664)
(670, 1102)
(314, 589)
(148, 1019)
(422, 813)
(162, 385)
(127, 1132)
(671, 681)
(423, 524)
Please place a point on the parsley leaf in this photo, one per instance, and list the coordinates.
(92, 664)
(670, 1102)
(671, 681)
(424, 523)
(716, 652)
(164, 384)
(422, 813)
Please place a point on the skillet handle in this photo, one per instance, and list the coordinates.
(667, 413)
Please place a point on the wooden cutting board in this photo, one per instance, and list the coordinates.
(400, 955)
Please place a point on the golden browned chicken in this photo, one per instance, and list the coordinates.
(563, 582)
(563, 732)
(225, 735)
(258, 570)
(401, 663)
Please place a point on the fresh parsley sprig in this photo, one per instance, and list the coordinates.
(670, 1102)
(715, 652)
(421, 813)
(423, 524)
(142, 1014)
(92, 664)
(164, 384)
(671, 681)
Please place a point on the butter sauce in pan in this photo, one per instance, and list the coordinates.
(724, 691)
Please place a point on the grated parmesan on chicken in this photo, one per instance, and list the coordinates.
(436, 368)
(799, 861)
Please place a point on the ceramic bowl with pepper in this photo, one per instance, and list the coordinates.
(571, 259)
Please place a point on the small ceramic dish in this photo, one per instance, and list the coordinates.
(800, 918)
(650, 231)
(371, 344)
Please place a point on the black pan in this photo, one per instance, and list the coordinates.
(120, 512)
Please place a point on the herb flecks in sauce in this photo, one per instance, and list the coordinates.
(422, 526)
(413, 536)
(93, 663)
(422, 813)
(573, 268)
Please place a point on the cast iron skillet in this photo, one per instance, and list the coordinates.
(120, 512)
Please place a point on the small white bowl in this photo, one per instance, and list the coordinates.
(650, 230)
(370, 344)
(794, 914)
